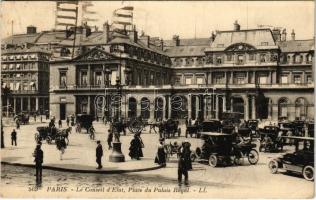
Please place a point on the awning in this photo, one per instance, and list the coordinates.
(11, 66)
(24, 56)
(18, 66)
(18, 57)
(11, 57)
(33, 56)
(4, 66)
(32, 83)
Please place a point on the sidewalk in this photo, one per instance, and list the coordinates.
(80, 153)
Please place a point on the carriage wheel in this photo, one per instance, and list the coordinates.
(253, 157)
(212, 161)
(308, 172)
(273, 166)
(49, 140)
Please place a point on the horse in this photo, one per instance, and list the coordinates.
(65, 133)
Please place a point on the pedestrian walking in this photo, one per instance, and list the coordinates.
(110, 139)
(59, 123)
(38, 159)
(67, 121)
(61, 145)
(136, 147)
(160, 158)
(99, 154)
(17, 124)
(13, 137)
(184, 163)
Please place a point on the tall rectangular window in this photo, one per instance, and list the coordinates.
(188, 80)
(219, 79)
(177, 80)
(200, 80)
(63, 79)
(309, 79)
(98, 78)
(297, 79)
(84, 78)
(284, 79)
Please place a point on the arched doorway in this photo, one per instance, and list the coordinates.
(300, 108)
(238, 105)
(132, 107)
(158, 114)
(179, 106)
(145, 108)
(283, 107)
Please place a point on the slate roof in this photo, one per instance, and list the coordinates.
(259, 38)
(33, 49)
(296, 45)
(186, 51)
(189, 42)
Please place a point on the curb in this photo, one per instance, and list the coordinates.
(85, 171)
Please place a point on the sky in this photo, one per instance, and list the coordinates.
(188, 19)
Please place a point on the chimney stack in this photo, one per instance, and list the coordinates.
(31, 30)
(236, 26)
(283, 36)
(276, 33)
(106, 31)
(133, 35)
(176, 40)
(213, 36)
(161, 44)
(293, 35)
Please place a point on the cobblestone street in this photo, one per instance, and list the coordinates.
(255, 181)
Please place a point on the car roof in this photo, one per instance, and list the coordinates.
(214, 134)
(299, 138)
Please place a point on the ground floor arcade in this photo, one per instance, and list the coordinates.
(157, 105)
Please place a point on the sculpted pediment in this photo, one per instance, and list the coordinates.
(240, 47)
(95, 55)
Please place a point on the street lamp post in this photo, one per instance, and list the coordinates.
(117, 155)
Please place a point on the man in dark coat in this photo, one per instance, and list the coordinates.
(110, 138)
(184, 163)
(136, 148)
(38, 159)
(99, 154)
(13, 137)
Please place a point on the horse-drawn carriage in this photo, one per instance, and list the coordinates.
(221, 148)
(169, 128)
(23, 118)
(49, 134)
(85, 121)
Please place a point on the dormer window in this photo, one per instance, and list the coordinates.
(218, 60)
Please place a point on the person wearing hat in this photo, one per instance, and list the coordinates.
(38, 159)
(184, 163)
(160, 158)
(99, 154)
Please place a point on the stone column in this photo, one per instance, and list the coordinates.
(103, 76)
(224, 103)
(14, 105)
(7, 110)
(205, 113)
(217, 106)
(197, 106)
(246, 108)
(164, 106)
(253, 107)
(291, 77)
(89, 77)
(36, 103)
(189, 106)
(169, 107)
(88, 107)
(28, 104)
(231, 104)
(21, 103)
(270, 77)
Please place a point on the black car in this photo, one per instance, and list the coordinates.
(301, 161)
(270, 140)
(221, 149)
(85, 120)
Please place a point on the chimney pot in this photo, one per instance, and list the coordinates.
(176, 40)
(106, 31)
(293, 35)
(236, 26)
(283, 36)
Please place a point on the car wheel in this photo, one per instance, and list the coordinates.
(212, 161)
(273, 166)
(308, 172)
(253, 157)
(198, 152)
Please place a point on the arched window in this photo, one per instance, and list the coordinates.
(145, 108)
(283, 107)
(300, 108)
(132, 107)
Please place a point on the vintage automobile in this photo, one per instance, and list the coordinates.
(205, 126)
(252, 124)
(85, 120)
(301, 161)
(228, 126)
(270, 141)
(221, 149)
(298, 127)
(23, 118)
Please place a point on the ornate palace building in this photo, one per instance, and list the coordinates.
(256, 72)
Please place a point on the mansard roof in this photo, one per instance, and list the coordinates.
(258, 38)
(296, 45)
(189, 42)
(185, 51)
